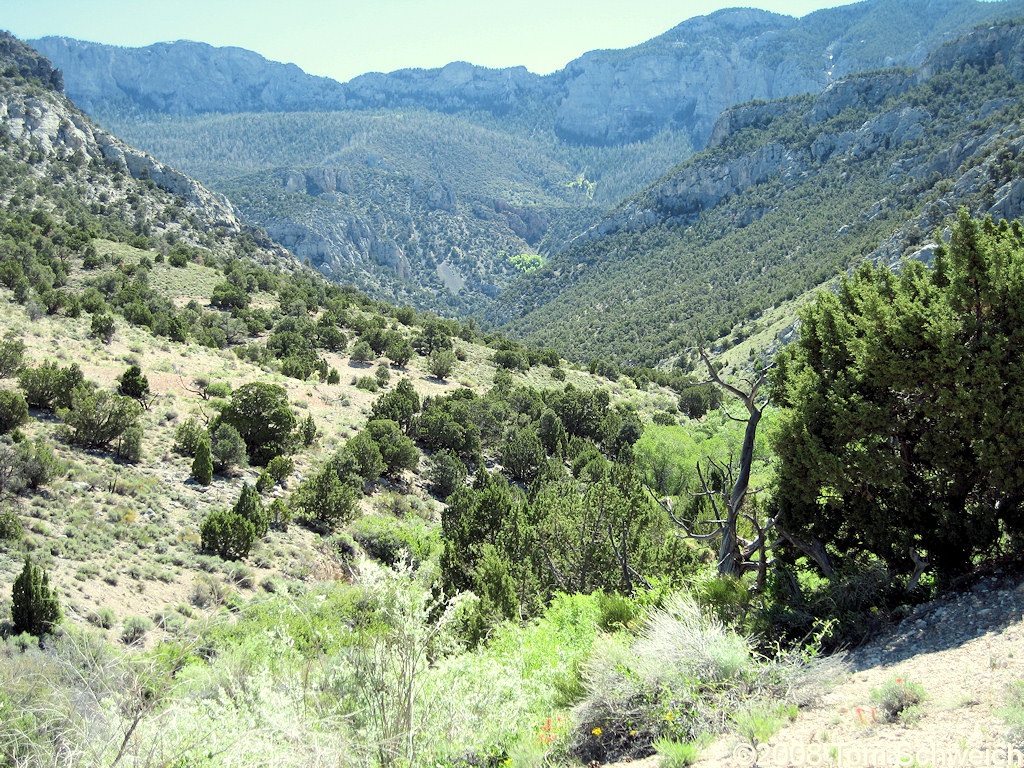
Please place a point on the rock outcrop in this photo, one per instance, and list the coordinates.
(56, 129)
(680, 80)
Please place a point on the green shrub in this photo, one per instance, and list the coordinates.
(392, 541)
(441, 363)
(202, 464)
(367, 456)
(26, 464)
(227, 449)
(362, 352)
(34, 605)
(251, 508)
(13, 410)
(129, 445)
(280, 467)
(307, 431)
(12, 357)
(228, 534)
(104, 618)
(187, 436)
(135, 385)
(1013, 712)
(264, 482)
(899, 699)
(523, 455)
(365, 383)
(48, 386)
(398, 451)
(325, 498)
(102, 327)
(97, 418)
(260, 413)
(10, 526)
(679, 754)
(446, 474)
(134, 629)
(280, 514)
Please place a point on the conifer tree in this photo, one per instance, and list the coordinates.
(251, 508)
(202, 464)
(34, 605)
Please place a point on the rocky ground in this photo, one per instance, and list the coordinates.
(965, 649)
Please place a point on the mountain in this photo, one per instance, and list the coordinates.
(427, 186)
(787, 195)
(53, 152)
(680, 80)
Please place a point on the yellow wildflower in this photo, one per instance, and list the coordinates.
(597, 731)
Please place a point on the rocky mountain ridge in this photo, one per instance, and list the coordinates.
(700, 184)
(788, 195)
(680, 80)
(34, 112)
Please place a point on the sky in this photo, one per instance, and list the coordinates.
(345, 38)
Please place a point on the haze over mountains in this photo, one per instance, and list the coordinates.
(425, 186)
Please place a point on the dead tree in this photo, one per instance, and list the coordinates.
(736, 554)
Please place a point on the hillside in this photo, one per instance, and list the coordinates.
(421, 186)
(756, 219)
(251, 517)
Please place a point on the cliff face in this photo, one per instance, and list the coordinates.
(681, 80)
(34, 113)
(700, 185)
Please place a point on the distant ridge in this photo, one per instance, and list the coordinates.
(679, 80)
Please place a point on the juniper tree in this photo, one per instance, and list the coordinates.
(34, 605)
(901, 433)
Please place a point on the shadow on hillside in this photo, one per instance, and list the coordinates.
(990, 605)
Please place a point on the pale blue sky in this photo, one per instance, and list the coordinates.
(345, 38)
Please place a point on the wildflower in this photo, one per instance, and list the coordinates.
(670, 716)
(597, 731)
(874, 609)
(899, 679)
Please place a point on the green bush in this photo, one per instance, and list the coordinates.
(366, 453)
(325, 498)
(392, 541)
(202, 464)
(102, 327)
(187, 436)
(129, 445)
(48, 386)
(441, 363)
(13, 410)
(26, 464)
(260, 413)
(34, 605)
(280, 467)
(10, 526)
(899, 700)
(446, 473)
(227, 448)
(134, 629)
(228, 534)
(362, 352)
(365, 383)
(135, 385)
(97, 418)
(251, 508)
(12, 357)
(398, 451)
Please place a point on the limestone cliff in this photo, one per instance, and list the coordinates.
(682, 79)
